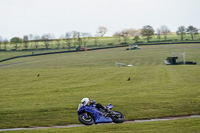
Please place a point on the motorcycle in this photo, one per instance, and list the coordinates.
(89, 115)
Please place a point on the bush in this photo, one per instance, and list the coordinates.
(123, 43)
(110, 44)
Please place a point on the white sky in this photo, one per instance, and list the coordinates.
(24, 17)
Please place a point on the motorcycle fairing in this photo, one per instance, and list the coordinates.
(98, 116)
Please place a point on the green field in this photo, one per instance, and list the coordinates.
(155, 89)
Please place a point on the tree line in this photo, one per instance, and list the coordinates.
(75, 38)
(148, 31)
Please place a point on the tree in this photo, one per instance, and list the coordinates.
(25, 41)
(85, 38)
(57, 41)
(79, 39)
(181, 32)
(147, 31)
(16, 41)
(192, 31)
(136, 39)
(31, 36)
(96, 39)
(158, 33)
(46, 38)
(102, 31)
(133, 32)
(125, 35)
(74, 37)
(68, 39)
(5, 41)
(36, 40)
(165, 31)
(1, 41)
(117, 36)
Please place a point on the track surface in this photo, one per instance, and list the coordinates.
(79, 125)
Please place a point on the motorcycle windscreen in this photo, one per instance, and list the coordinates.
(79, 106)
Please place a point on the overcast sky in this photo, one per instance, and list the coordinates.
(24, 17)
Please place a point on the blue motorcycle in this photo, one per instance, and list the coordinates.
(89, 115)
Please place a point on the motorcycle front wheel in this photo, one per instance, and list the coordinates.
(86, 119)
(117, 117)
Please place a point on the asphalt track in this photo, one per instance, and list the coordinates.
(79, 125)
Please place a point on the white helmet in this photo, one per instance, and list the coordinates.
(84, 101)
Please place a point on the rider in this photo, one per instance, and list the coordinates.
(87, 102)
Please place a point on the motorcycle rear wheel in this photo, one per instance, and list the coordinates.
(117, 117)
(86, 121)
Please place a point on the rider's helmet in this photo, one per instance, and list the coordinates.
(91, 102)
(85, 101)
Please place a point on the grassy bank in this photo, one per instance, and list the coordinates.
(155, 89)
(172, 126)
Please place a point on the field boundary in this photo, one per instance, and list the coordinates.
(15, 57)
